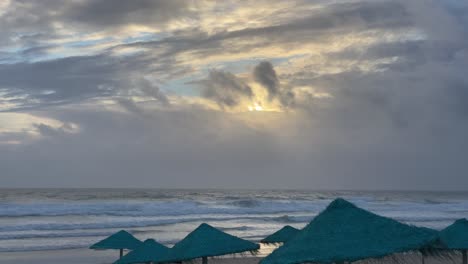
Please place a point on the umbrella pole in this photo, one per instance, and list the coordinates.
(464, 257)
(121, 252)
(205, 260)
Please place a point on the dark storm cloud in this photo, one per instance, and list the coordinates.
(266, 75)
(225, 88)
(229, 90)
(111, 13)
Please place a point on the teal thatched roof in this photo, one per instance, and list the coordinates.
(344, 232)
(207, 241)
(119, 240)
(455, 236)
(282, 235)
(149, 251)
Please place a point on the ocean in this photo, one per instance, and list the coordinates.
(53, 219)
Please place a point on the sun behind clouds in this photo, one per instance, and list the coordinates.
(255, 107)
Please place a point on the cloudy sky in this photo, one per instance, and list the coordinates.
(322, 94)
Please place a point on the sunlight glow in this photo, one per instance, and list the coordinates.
(255, 107)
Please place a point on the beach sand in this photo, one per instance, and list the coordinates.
(72, 256)
(84, 256)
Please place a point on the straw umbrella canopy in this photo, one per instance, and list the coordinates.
(149, 251)
(120, 240)
(455, 237)
(281, 236)
(206, 241)
(346, 233)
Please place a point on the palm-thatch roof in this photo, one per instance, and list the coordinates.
(149, 251)
(207, 241)
(344, 232)
(119, 240)
(281, 236)
(455, 236)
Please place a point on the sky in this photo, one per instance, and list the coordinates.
(322, 94)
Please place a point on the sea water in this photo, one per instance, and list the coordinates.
(50, 219)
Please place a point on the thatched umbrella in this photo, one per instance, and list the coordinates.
(149, 251)
(455, 237)
(120, 240)
(281, 236)
(346, 233)
(206, 241)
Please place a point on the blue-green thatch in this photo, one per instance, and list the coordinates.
(344, 232)
(149, 251)
(207, 241)
(282, 235)
(119, 240)
(455, 236)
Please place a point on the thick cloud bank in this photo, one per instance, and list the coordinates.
(273, 94)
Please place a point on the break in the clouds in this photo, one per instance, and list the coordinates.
(318, 94)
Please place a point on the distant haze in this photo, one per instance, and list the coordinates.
(234, 94)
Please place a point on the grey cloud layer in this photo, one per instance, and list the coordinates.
(39, 17)
(397, 116)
